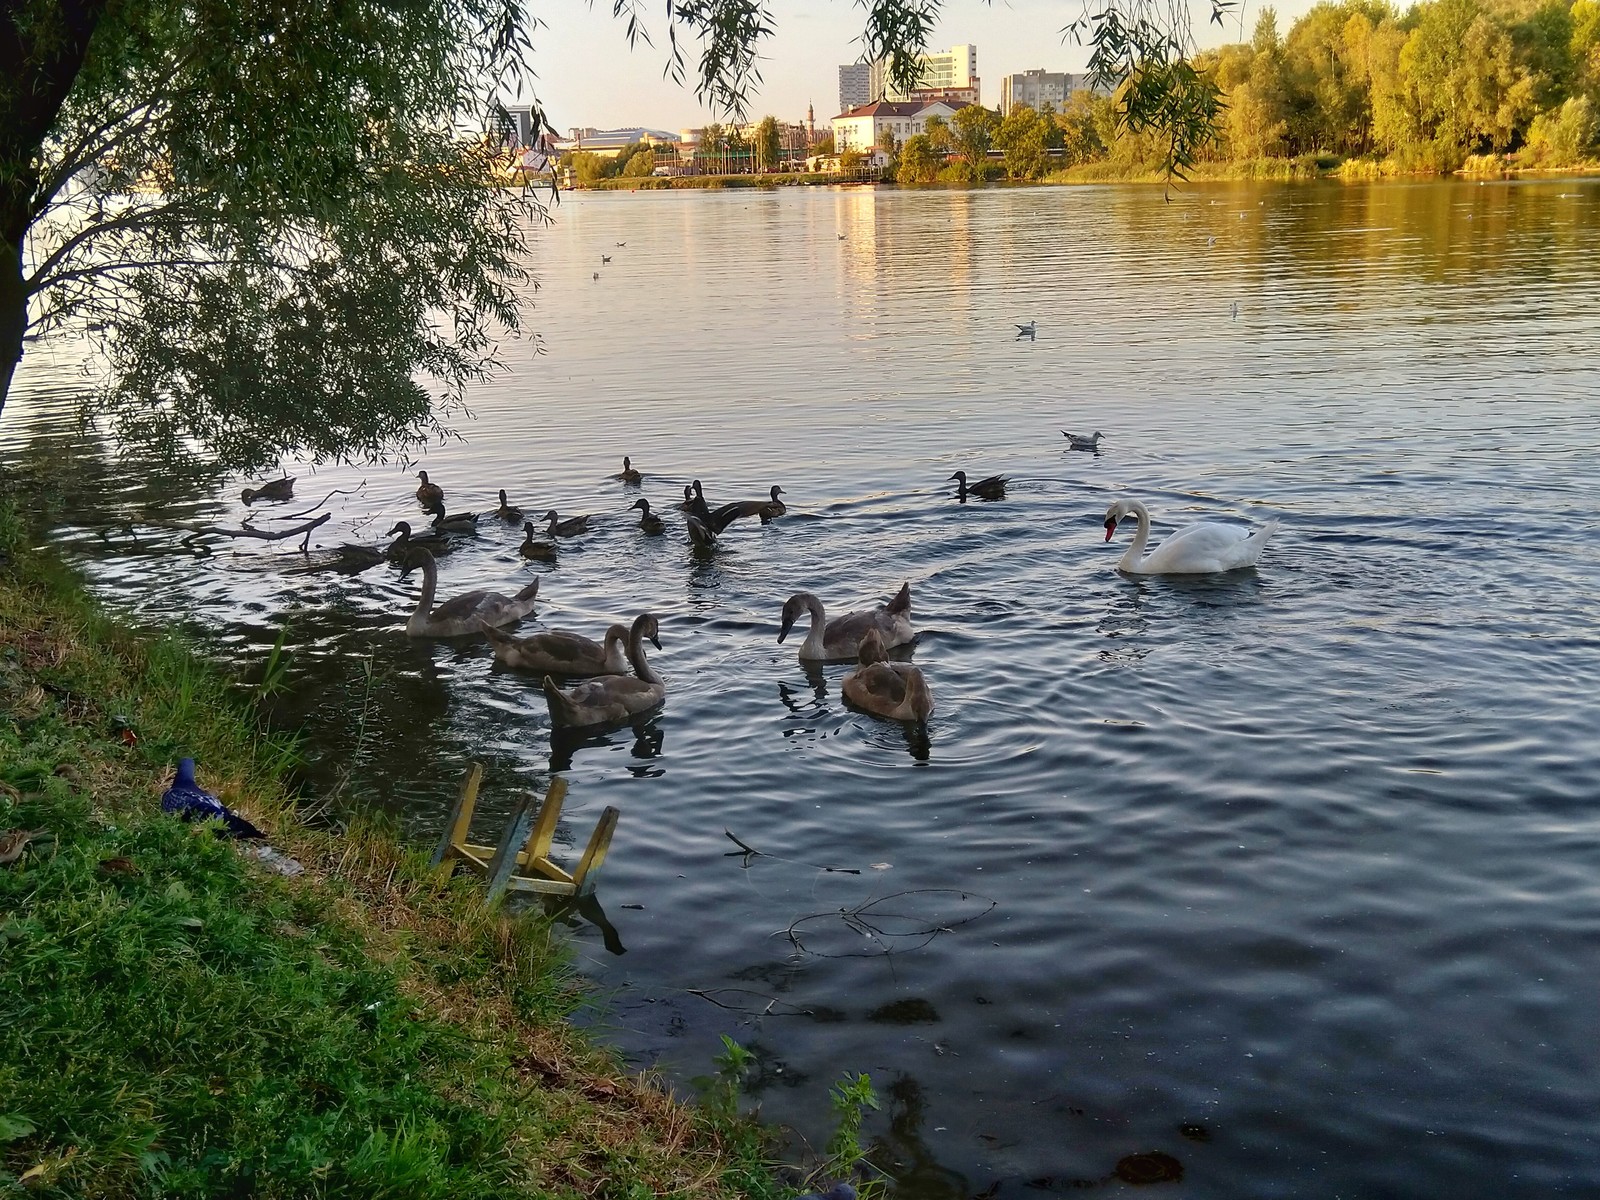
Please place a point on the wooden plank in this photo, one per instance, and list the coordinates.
(505, 855)
(455, 829)
(544, 832)
(594, 853)
(547, 887)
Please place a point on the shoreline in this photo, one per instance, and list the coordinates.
(1269, 170)
(177, 1017)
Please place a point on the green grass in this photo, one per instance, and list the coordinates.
(176, 1022)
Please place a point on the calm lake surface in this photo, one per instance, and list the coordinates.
(1292, 874)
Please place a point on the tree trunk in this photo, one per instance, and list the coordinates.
(13, 316)
(42, 48)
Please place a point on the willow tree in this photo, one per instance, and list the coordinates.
(276, 218)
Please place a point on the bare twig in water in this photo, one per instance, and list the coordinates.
(772, 1008)
(306, 512)
(877, 924)
(750, 854)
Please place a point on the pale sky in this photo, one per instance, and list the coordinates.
(587, 76)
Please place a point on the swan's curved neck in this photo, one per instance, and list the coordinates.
(1135, 552)
(819, 622)
(430, 584)
(641, 667)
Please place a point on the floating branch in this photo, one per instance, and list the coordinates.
(887, 929)
(245, 531)
(750, 854)
(772, 1008)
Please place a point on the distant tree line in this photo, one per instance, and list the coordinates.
(1422, 91)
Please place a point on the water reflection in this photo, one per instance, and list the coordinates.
(1153, 779)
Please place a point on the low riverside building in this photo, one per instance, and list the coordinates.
(608, 143)
(863, 128)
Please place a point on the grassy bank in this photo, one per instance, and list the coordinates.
(175, 1021)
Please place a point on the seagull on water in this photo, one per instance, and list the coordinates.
(1235, 310)
(1076, 441)
(1211, 241)
(1029, 330)
(605, 258)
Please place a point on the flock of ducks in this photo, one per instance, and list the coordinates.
(611, 682)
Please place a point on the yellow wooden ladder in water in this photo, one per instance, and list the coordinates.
(533, 827)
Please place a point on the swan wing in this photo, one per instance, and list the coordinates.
(462, 607)
(1201, 548)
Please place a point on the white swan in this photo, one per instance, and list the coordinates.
(610, 699)
(840, 638)
(1199, 549)
(463, 614)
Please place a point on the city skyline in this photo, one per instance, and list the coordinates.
(800, 62)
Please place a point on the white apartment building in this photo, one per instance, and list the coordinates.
(952, 70)
(861, 128)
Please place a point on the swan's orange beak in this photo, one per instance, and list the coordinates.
(1111, 527)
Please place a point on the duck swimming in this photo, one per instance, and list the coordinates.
(434, 543)
(648, 521)
(840, 638)
(463, 614)
(571, 527)
(508, 511)
(542, 551)
(1203, 548)
(428, 493)
(278, 490)
(561, 653)
(628, 475)
(992, 488)
(612, 699)
(454, 523)
(724, 516)
(894, 690)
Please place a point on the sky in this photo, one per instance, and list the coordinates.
(588, 76)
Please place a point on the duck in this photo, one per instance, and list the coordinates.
(428, 494)
(465, 522)
(688, 499)
(543, 551)
(278, 490)
(1076, 441)
(840, 638)
(608, 699)
(1203, 548)
(507, 510)
(773, 508)
(697, 503)
(400, 548)
(726, 515)
(886, 689)
(559, 652)
(463, 614)
(648, 521)
(701, 535)
(571, 527)
(992, 488)
(628, 475)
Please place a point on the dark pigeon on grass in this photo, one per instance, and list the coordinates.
(839, 1191)
(187, 799)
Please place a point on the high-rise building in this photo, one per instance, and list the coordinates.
(1040, 87)
(949, 74)
(855, 86)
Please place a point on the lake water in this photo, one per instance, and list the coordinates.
(1292, 874)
